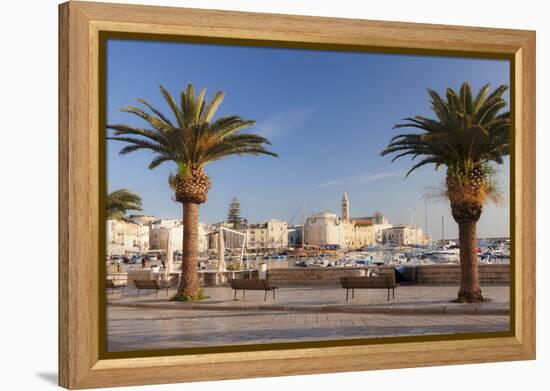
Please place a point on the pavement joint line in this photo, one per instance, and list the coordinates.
(378, 309)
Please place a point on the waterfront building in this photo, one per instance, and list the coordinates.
(126, 237)
(405, 235)
(204, 229)
(160, 231)
(143, 219)
(323, 229)
(269, 235)
(163, 230)
(272, 234)
(257, 236)
(213, 240)
(379, 224)
(345, 207)
(363, 233)
(327, 229)
(366, 231)
(295, 235)
(277, 234)
(231, 240)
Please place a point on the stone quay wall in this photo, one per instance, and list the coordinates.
(206, 278)
(450, 274)
(118, 278)
(312, 275)
(139, 274)
(416, 274)
(214, 278)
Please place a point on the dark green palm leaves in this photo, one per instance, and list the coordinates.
(121, 201)
(467, 130)
(190, 138)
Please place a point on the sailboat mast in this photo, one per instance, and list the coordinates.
(442, 231)
(416, 224)
(303, 226)
(426, 217)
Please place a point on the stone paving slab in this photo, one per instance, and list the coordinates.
(150, 328)
(451, 309)
(415, 299)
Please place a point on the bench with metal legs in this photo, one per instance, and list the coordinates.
(110, 284)
(150, 285)
(255, 285)
(375, 282)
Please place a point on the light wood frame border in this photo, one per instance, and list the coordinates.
(79, 27)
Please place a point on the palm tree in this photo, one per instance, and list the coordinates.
(191, 140)
(467, 136)
(120, 201)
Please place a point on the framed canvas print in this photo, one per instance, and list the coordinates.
(246, 195)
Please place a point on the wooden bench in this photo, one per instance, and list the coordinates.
(253, 285)
(110, 284)
(375, 282)
(150, 285)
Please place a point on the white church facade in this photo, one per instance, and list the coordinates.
(326, 229)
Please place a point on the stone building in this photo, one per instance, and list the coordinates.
(405, 235)
(379, 224)
(345, 207)
(163, 230)
(272, 234)
(363, 234)
(269, 235)
(125, 237)
(143, 219)
(326, 229)
(295, 235)
(231, 240)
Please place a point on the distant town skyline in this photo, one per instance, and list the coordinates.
(328, 115)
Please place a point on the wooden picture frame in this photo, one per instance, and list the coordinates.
(81, 23)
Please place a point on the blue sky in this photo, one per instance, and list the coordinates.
(328, 115)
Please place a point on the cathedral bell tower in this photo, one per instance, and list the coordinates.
(345, 207)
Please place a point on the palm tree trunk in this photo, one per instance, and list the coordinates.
(469, 292)
(189, 283)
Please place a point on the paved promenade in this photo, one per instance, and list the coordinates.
(142, 329)
(416, 299)
(297, 314)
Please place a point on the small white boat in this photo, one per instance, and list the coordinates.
(451, 255)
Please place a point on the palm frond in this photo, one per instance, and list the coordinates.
(195, 138)
(120, 201)
(212, 106)
(464, 130)
(173, 106)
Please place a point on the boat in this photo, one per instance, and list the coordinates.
(444, 255)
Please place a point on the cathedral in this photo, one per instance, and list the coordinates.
(327, 229)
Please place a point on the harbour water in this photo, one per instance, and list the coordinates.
(491, 253)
